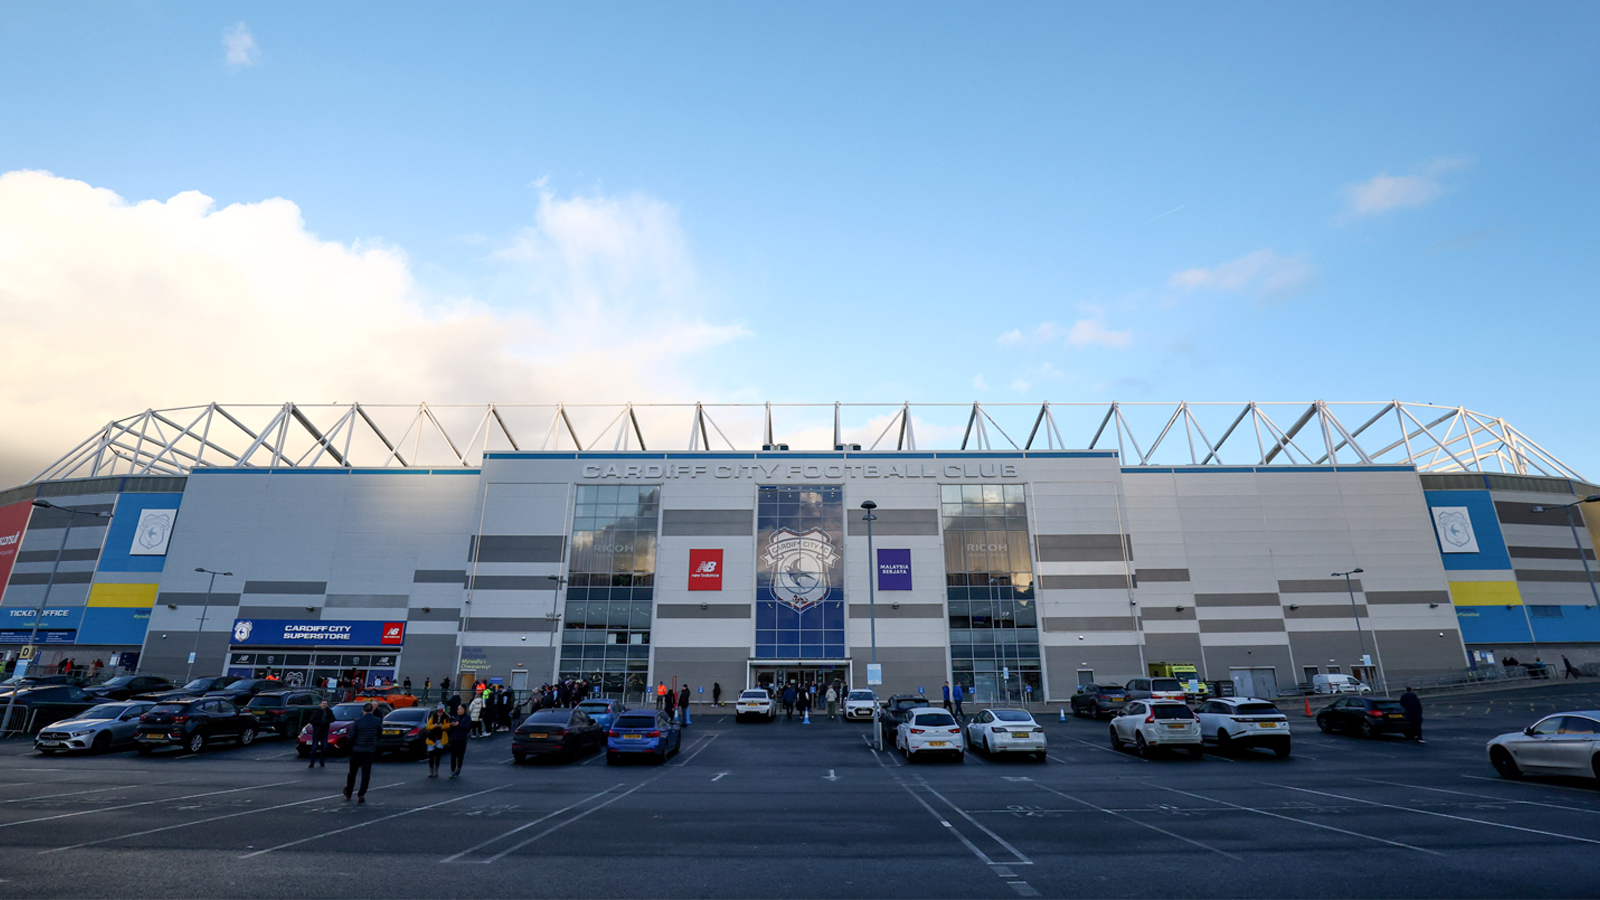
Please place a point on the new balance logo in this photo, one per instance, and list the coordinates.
(706, 567)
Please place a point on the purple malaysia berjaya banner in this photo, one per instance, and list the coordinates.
(894, 570)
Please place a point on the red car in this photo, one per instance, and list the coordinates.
(339, 731)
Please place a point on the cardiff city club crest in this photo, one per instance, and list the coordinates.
(800, 564)
(153, 529)
(1455, 528)
(241, 630)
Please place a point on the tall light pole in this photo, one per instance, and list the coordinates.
(38, 612)
(872, 614)
(554, 618)
(1355, 612)
(205, 608)
(1589, 573)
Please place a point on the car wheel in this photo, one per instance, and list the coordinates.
(961, 757)
(518, 757)
(1140, 746)
(1501, 759)
(1367, 730)
(144, 749)
(1324, 724)
(1282, 750)
(1197, 752)
(1116, 741)
(612, 758)
(1224, 741)
(1079, 711)
(987, 750)
(1041, 756)
(247, 737)
(102, 742)
(197, 742)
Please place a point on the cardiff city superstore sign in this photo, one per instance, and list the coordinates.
(314, 632)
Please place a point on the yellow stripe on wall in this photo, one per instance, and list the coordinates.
(1485, 593)
(134, 595)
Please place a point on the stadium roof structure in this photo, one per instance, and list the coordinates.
(380, 436)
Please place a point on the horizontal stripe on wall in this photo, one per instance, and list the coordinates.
(196, 598)
(1327, 611)
(83, 554)
(502, 625)
(366, 601)
(1067, 624)
(1162, 574)
(1551, 575)
(1396, 597)
(708, 522)
(897, 522)
(1239, 626)
(1083, 582)
(712, 611)
(137, 596)
(1515, 513)
(285, 587)
(1516, 552)
(44, 578)
(1166, 613)
(516, 548)
(512, 583)
(270, 612)
(433, 614)
(1239, 599)
(439, 576)
(1083, 547)
(43, 518)
(1485, 593)
(886, 610)
(1318, 586)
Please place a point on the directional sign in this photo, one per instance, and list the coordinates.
(27, 652)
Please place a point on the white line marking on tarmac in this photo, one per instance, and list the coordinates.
(1418, 787)
(562, 824)
(1539, 784)
(1021, 859)
(1171, 834)
(720, 776)
(984, 857)
(86, 812)
(1293, 819)
(373, 821)
(500, 837)
(702, 748)
(1441, 815)
(94, 791)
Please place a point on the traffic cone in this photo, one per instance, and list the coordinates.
(1308, 706)
(807, 719)
(1063, 713)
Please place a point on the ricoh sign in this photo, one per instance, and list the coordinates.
(784, 471)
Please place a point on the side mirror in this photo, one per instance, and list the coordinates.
(1528, 731)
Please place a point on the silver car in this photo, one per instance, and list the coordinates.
(1562, 744)
(99, 728)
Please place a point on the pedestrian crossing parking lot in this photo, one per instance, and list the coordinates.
(793, 810)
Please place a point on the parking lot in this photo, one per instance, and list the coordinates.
(792, 810)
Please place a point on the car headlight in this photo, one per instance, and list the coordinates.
(79, 734)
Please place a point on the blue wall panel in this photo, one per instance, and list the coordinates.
(1485, 526)
(114, 556)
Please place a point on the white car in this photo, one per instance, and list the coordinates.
(98, 728)
(1240, 722)
(1151, 725)
(1561, 744)
(754, 703)
(859, 705)
(1337, 683)
(927, 730)
(1006, 731)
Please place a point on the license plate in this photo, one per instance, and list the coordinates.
(1397, 715)
(633, 737)
(1019, 734)
(1268, 724)
(49, 743)
(388, 733)
(1177, 726)
(539, 735)
(936, 743)
(153, 738)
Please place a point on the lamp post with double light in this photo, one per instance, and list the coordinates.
(1355, 612)
(204, 608)
(1582, 554)
(872, 618)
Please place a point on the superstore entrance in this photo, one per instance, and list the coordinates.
(776, 676)
(314, 669)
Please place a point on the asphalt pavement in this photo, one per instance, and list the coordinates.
(792, 810)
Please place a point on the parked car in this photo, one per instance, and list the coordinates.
(1006, 731)
(34, 681)
(1152, 725)
(603, 712)
(402, 732)
(925, 731)
(98, 729)
(641, 732)
(754, 703)
(199, 687)
(894, 712)
(284, 711)
(858, 704)
(1561, 744)
(567, 732)
(126, 687)
(339, 731)
(1368, 716)
(1156, 689)
(1098, 700)
(64, 701)
(242, 690)
(193, 724)
(1241, 722)
(1337, 683)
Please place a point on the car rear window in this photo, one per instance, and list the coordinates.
(861, 695)
(1012, 715)
(636, 722)
(1255, 709)
(1388, 705)
(1109, 688)
(1165, 684)
(939, 718)
(601, 706)
(169, 708)
(347, 712)
(548, 716)
(265, 702)
(753, 695)
(1172, 711)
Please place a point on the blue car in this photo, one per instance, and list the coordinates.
(642, 732)
(603, 712)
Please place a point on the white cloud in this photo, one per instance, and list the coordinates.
(1384, 192)
(239, 45)
(1033, 375)
(1042, 333)
(111, 307)
(980, 383)
(1086, 332)
(1263, 274)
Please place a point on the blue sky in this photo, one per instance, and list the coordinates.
(891, 202)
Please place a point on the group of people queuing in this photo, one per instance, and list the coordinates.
(802, 697)
(676, 703)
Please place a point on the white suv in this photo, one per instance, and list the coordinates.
(1238, 722)
(927, 730)
(1151, 725)
(858, 704)
(753, 703)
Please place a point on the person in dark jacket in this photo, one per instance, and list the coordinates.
(802, 703)
(460, 731)
(789, 695)
(683, 705)
(363, 748)
(672, 705)
(320, 720)
(716, 693)
(1412, 704)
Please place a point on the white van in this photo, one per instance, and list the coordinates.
(1337, 684)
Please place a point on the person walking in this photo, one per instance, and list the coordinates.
(956, 696)
(661, 696)
(789, 694)
(475, 709)
(436, 735)
(947, 696)
(683, 706)
(321, 720)
(802, 703)
(1412, 704)
(716, 693)
(407, 685)
(1569, 670)
(363, 748)
(832, 699)
(671, 706)
(460, 728)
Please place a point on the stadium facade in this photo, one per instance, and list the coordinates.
(1020, 570)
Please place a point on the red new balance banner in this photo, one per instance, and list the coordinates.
(13, 522)
(705, 570)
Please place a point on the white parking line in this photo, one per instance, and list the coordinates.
(701, 749)
(1427, 812)
(119, 787)
(1418, 787)
(564, 823)
(542, 818)
(1538, 784)
(1293, 819)
(1112, 812)
(373, 821)
(1021, 859)
(102, 809)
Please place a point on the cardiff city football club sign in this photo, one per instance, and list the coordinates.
(800, 564)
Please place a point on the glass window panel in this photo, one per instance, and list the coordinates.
(1027, 614)
(638, 615)
(955, 557)
(993, 494)
(971, 493)
(595, 615)
(610, 493)
(1012, 493)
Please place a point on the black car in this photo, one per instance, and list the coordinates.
(242, 690)
(1096, 700)
(64, 701)
(1370, 716)
(568, 732)
(402, 731)
(192, 724)
(126, 687)
(196, 688)
(894, 712)
(285, 712)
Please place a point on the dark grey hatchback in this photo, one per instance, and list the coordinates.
(568, 732)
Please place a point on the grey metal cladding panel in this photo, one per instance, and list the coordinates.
(1239, 626)
(1087, 623)
(1318, 586)
(366, 601)
(1082, 582)
(285, 587)
(1522, 575)
(43, 518)
(1083, 541)
(512, 583)
(708, 522)
(1162, 574)
(433, 614)
(1166, 613)
(83, 555)
(886, 610)
(196, 598)
(1510, 512)
(1380, 598)
(1516, 553)
(44, 578)
(273, 612)
(712, 611)
(1326, 611)
(439, 576)
(518, 548)
(531, 626)
(897, 522)
(1266, 598)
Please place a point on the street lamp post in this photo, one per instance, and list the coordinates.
(1355, 612)
(554, 619)
(872, 614)
(1567, 508)
(38, 612)
(204, 608)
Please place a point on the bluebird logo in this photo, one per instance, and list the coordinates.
(800, 566)
(241, 631)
